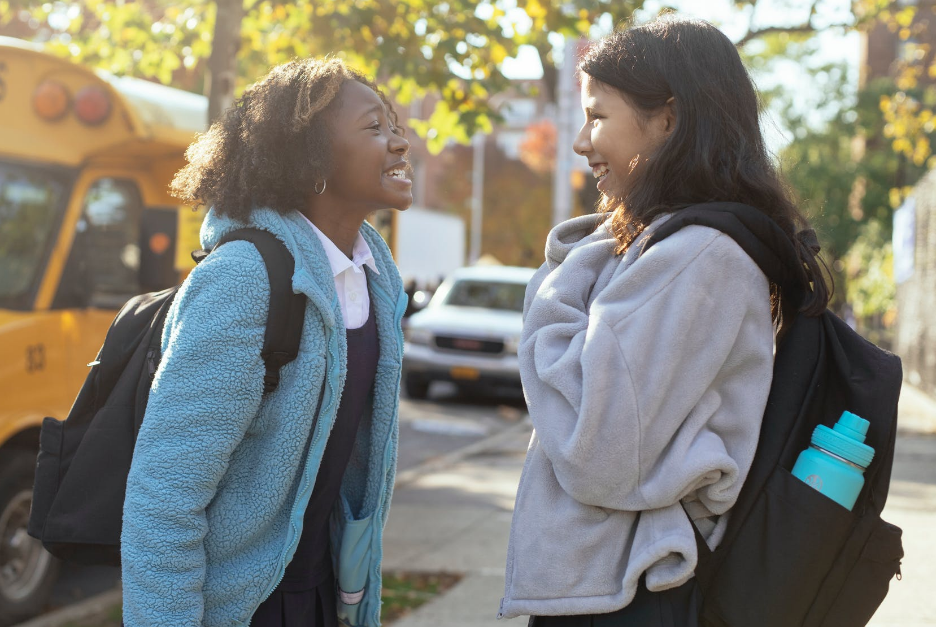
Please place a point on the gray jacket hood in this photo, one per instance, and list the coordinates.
(569, 234)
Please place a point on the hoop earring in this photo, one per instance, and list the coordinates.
(316, 189)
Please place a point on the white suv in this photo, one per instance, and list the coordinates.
(469, 331)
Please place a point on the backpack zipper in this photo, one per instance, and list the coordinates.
(152, 363)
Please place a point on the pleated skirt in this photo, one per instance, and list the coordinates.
(676, 607)
(316, 607)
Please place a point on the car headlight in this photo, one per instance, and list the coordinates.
(512, 344)
(419, 336)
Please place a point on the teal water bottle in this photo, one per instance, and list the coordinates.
(835, 462)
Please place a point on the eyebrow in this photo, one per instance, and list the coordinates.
(373, 109)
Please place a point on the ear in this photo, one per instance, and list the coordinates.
(668, 117)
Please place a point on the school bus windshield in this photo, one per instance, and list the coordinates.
(32, 200)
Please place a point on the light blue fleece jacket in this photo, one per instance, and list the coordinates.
(221, 475)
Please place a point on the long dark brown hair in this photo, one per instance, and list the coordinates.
(715, 152)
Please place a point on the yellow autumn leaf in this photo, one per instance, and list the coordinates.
(905, 16)
(498, 54)
(894, 197)
(535, 10)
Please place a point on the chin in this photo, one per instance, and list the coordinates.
(402, 204)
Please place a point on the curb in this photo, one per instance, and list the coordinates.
(88, 608)
(450, 459)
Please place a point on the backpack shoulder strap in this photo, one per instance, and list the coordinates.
(755, 232)
(287, 309)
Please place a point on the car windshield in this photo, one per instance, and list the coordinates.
(487, 294)
(31, 202)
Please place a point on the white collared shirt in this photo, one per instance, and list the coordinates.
(350, 279)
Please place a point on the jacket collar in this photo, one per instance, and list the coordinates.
(313, 273)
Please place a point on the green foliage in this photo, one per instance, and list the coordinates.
(846, 174)
(870, 288)
(451, 49)
(417, 47)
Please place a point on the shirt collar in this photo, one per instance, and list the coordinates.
(338, 261)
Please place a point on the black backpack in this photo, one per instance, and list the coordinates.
(81, 471)
(790, 556)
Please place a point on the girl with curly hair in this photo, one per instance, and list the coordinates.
(647, 375)
(244, 508)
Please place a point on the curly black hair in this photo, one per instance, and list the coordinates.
(272, 146)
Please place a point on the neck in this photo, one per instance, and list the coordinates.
(338, 225)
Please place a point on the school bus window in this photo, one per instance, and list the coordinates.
(31, 203)
(111, 223)
(104, 263)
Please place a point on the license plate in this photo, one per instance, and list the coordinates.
(465, 374)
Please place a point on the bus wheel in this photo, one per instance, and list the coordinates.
(27, 571)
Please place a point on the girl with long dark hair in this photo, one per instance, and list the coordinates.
(647, 375)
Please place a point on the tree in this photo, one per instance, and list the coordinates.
(538, 148)
(417, 47)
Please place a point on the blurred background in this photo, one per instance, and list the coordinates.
(99, 99)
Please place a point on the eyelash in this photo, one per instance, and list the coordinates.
(376, 127)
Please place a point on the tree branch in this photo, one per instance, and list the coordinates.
(805, 27)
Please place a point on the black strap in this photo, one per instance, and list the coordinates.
(704, 566)
(287, 309)
(755, 232)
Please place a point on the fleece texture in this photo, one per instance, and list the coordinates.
(646, 379)
(221, 474)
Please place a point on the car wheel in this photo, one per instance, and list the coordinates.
(416, 388)
(27, 571)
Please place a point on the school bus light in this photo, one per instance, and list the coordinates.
(92, 105)
(50, 100)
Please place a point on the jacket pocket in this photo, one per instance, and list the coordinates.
(867, 583)
(779, 559)
(354, 562)
(48, 474)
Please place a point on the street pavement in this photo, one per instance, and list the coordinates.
(457, 519)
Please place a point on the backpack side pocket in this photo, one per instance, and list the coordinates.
(48, 475)
(868, 580)
(784, 551)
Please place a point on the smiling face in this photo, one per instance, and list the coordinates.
(616, 138)
(369, 155)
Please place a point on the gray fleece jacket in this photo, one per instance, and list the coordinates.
(646, 381)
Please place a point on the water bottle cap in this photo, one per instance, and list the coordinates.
(844, 446)
(853, 426)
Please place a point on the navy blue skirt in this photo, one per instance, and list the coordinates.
(315, 607)
(676, 607)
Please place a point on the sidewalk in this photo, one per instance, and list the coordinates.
(458, 519)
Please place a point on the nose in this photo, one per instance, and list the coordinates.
(399, 144)
(582, 144)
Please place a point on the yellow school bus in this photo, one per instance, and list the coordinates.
(85, 223)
